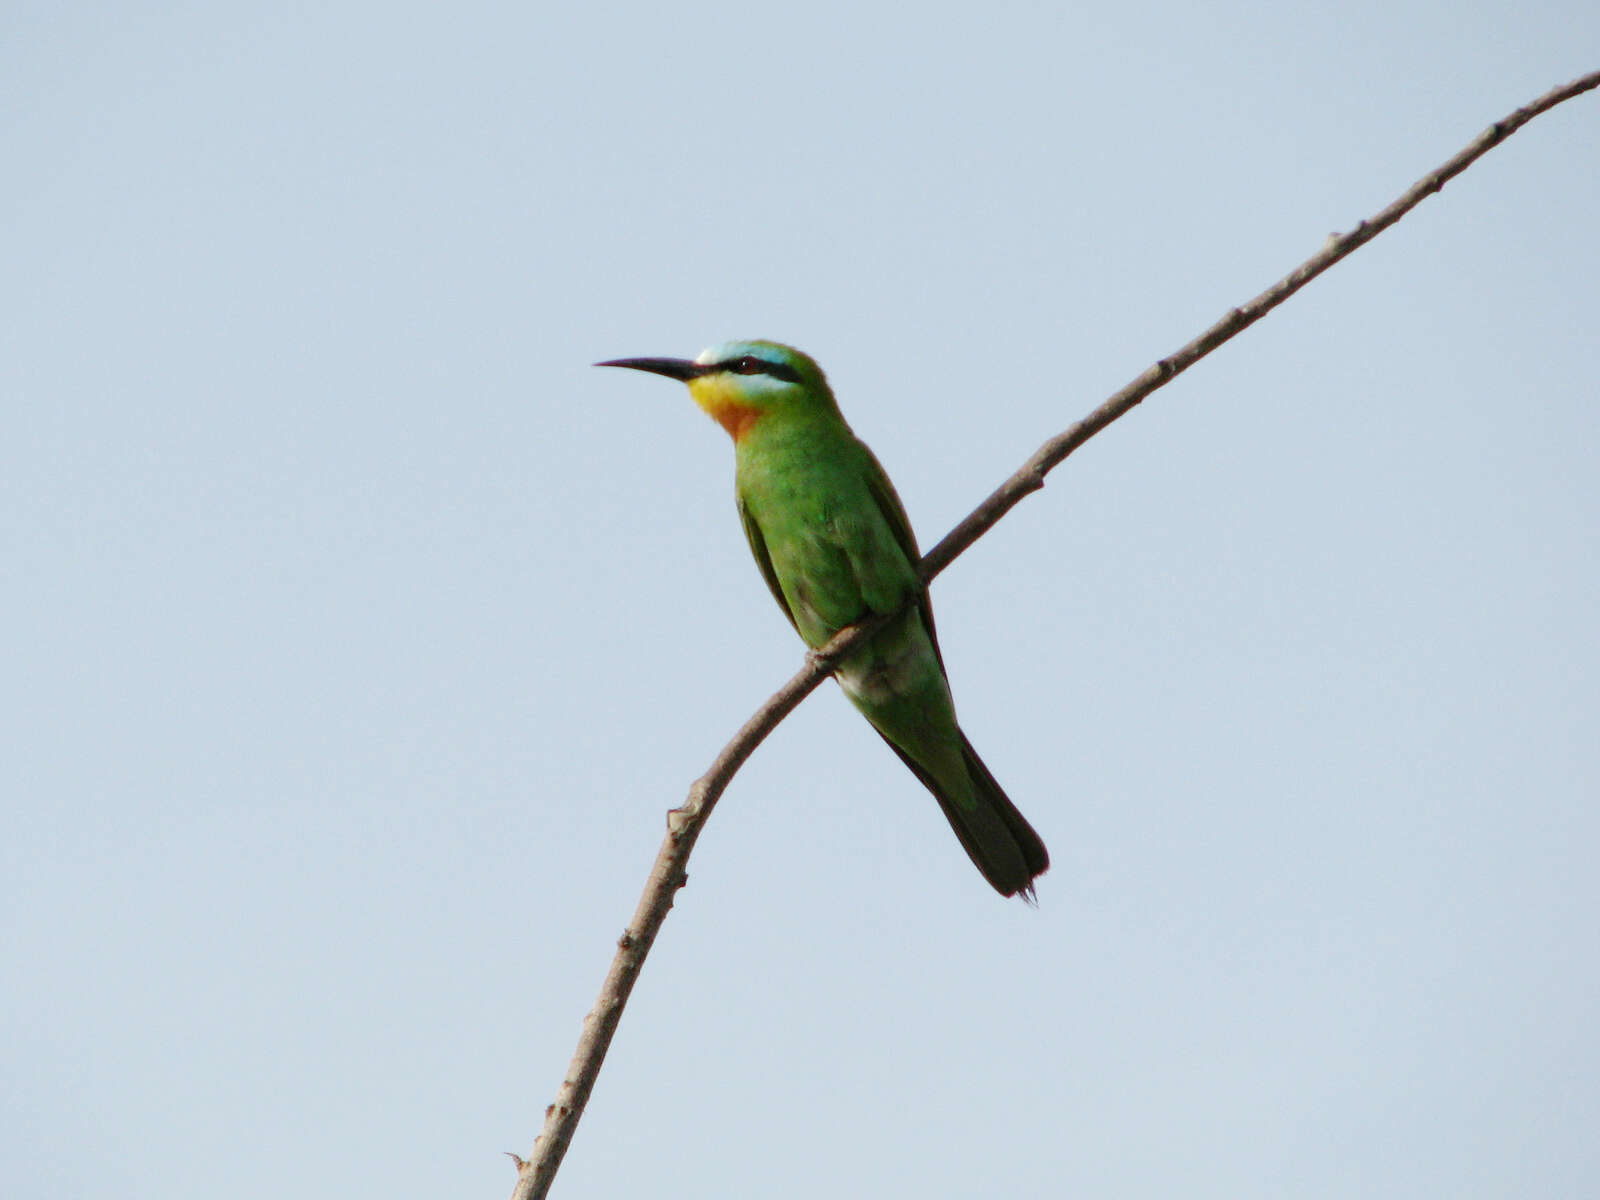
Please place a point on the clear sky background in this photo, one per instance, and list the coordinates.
(357, 634)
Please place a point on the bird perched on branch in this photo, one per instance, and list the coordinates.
(834, 545)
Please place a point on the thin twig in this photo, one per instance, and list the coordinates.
(684, 824)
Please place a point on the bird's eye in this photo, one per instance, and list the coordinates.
(748, 365)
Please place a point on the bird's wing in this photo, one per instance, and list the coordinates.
(758, 548)
(894, 515)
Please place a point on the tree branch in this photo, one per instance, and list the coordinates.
(685, 824)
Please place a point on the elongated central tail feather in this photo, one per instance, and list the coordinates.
(995, 835)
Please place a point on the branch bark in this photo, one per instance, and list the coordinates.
(535, 1175)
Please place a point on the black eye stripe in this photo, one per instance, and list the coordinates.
(749, 364)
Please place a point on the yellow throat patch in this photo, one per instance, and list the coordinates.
(720, 399)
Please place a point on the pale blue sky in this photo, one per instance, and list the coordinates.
(358, 634)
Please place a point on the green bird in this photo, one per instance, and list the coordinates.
(834, 545)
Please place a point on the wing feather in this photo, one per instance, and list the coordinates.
(758, 548)
(894, 514)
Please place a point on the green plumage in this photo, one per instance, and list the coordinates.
(834, 545)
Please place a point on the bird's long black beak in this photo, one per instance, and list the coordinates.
(672, 368)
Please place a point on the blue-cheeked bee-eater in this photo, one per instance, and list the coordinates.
(834, 545)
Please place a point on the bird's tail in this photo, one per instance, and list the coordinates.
(994, 834)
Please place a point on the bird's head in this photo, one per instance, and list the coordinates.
(740, 383)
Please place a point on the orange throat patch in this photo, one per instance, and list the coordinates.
(719, 402)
